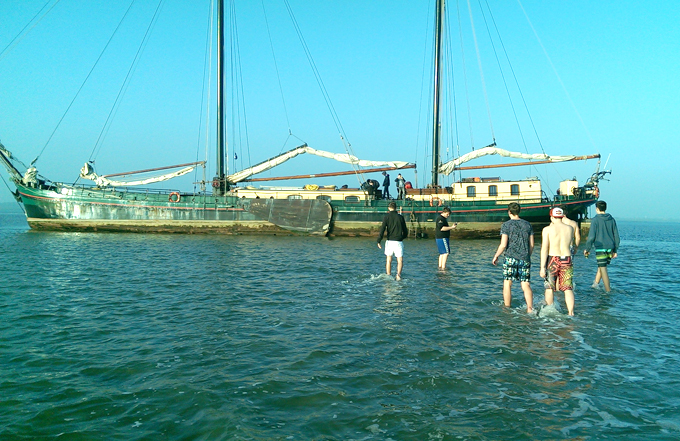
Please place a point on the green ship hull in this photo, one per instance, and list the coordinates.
(83, 208)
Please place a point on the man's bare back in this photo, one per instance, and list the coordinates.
(559, 236)
(577, 233)
(556, 253)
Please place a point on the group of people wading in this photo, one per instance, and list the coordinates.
(559, 243)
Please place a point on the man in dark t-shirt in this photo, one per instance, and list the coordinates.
(442, 235)
(517, 244)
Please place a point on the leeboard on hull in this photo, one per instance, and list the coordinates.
(311, 216)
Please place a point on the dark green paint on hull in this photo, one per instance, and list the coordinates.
(83, 208)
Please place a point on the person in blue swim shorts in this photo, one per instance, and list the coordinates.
(442, 236)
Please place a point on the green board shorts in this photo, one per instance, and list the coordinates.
(604, 257)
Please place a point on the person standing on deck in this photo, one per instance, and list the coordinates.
(401, 187)
(604, 235)
(395, 226)
(556, 259)
(386, 186)
(517, 242)
(442, 235)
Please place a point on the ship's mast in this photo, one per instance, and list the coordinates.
(439, 25)
(220, 183)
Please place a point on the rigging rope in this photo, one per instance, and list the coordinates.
(205, 98)
(557, 75)
(20, 36)
(276, 66)
(481, 70)
(453, 111)
(512, 70)
(239, 123)
(423, 84)
(507, 90)
(315, 71)
(465, 77)
(82, 85)
(126, 81)
(322, 87)
(278, 79)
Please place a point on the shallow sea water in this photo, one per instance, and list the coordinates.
(180, 337)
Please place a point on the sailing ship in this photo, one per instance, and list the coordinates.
(229, 204)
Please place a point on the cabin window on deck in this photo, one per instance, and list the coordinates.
(352, 199)
(493, 190)
(294, 196)
(514, 189)
(324, 197)
(471, 191)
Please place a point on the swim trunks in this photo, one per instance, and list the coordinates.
(515, 269)
(604, 257)
(443, 246)
(560, 273)
(394, 248)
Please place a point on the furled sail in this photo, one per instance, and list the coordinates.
(448, 167)
(30, 177)
(88, 172)
(278, 160)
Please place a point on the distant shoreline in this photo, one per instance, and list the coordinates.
(10, 208)
(669, 221)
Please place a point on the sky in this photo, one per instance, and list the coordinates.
(594, 77)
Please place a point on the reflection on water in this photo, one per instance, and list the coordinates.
(392, 300)
(107, 336)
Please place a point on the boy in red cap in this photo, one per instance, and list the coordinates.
(556, 258)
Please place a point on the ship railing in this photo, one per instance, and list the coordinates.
(126, 190)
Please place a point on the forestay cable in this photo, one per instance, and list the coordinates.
(481, 70)
(22, 34)
(557, 75)
(83, 84)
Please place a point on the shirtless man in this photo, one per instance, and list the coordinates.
(577, 233)
(556, 258)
